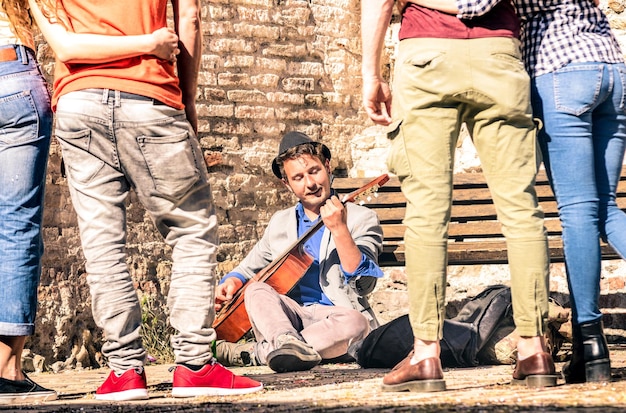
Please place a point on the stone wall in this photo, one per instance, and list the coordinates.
(268, 67)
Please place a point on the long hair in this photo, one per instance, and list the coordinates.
(20, 20)
(53, 11)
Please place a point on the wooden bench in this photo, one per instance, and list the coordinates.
(475, 235)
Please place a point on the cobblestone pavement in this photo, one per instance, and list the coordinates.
(346, 388)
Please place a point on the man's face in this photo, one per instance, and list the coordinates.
(309, 180)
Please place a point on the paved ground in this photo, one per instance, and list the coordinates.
(346, 388)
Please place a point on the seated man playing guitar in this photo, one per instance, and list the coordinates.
(325, 308)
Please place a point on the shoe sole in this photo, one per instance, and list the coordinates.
(294, 356)
(212, 391)
(596, 371)
(282, 363)
(36, 397)
(134, 394)
(537, 380)
(417, 386)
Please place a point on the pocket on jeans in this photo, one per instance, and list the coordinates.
(621, 69)
(171, 163)
(80, 165)
(19, 119)
(577, 88)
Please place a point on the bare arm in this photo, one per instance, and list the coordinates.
(445, 6)
(72, 47)
(467, 9)
(188, 26)
(375, 19)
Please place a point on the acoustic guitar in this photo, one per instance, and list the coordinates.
(232, 322)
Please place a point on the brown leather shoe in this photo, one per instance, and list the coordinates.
(535, 371)
(425, 376)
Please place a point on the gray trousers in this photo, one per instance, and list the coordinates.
(328, 329)
(113, 142)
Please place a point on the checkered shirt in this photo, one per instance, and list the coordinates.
(469, 9)
(558, 32)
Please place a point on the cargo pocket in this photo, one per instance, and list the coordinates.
(171, 163)
(397, 160)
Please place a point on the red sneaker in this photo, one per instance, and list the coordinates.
(129, 386)
(211, 380)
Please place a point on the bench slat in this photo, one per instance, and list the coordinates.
(474, 229)
(474, 232)
(486, 252)
(462, 213)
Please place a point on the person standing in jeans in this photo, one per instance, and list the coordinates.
(131, 124)
(26, 126)
(25, 129)
(578, 86)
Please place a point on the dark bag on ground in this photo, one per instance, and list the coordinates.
(463, 336)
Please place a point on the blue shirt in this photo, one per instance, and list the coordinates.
(307, 290)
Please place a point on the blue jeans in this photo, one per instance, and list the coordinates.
(113, 142)
(583, 139)
(25, 129)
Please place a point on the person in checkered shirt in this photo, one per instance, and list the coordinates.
(577, 90)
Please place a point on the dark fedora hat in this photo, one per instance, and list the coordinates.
(291, 140)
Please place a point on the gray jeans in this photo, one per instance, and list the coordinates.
(112, 142)
(328, 329)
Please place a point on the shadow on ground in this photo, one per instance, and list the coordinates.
(348, 388)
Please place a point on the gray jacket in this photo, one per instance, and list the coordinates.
(281, 233)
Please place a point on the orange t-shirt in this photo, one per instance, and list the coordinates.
(143, 75)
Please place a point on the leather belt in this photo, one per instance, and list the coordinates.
(8, 54)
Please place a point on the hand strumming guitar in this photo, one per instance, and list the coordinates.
(225, 291)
